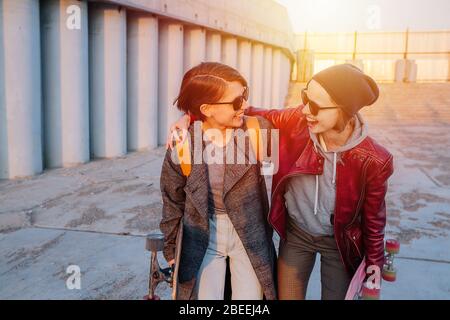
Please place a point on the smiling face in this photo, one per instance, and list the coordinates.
(223, 115)
(326, 119)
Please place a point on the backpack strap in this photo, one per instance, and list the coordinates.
(255, 136)
(184, 156)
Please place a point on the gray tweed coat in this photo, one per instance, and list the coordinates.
(245, 198)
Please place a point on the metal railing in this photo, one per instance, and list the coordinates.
(377, 51)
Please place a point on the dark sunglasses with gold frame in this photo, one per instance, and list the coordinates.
(237, 102)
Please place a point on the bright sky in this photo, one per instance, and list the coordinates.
(368, 15)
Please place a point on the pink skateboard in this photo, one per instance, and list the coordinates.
(357, 290)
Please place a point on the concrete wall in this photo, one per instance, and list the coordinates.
(264, 21)
(97, 79)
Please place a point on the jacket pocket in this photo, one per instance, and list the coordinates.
(353, 239)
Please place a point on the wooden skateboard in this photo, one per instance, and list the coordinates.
(155, 244)
(357, 289)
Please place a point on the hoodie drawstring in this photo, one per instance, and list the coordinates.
(334, 168)
(316, 196)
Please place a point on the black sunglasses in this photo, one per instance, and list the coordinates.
(313, 107)
(238, 101)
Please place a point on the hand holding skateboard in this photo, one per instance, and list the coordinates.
(359, 290)
(154, 244)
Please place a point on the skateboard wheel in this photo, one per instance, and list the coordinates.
(392, 246)
(389, 275)
(154, 242)
(370, 294)
(155, 297)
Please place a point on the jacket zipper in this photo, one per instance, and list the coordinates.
(354, 243)
(358, 208)
(363, 191)
(334, 219)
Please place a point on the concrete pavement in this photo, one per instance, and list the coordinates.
(95, 215)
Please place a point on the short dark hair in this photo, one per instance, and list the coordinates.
(205, 83)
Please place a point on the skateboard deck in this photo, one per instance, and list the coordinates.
(357, 281)
(155, 244)
(357, 290)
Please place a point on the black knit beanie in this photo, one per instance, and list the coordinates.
(348, 86)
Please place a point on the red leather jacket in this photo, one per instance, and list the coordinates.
(361, 185)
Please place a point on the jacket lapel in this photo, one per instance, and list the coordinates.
(197, 188)
(309, 162)
(197, 183)
(234, 172)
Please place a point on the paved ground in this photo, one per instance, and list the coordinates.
(95, 215)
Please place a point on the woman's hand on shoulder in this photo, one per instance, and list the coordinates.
(178, 131)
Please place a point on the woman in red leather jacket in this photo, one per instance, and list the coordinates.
(328, 195)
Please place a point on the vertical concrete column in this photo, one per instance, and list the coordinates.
(245, 59)
(65, 70)
(285, 77)
(213, 47)
(20, 89)
(170, 74)
(276, 79)
(107, 59)
(305, 65)
(299, 57)
(411, 71)
(229, 51)
(194, 47)
(283, 83)
(267, 88)
(142, 81)
(310, 66)
(400, 68)
(256, 90)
